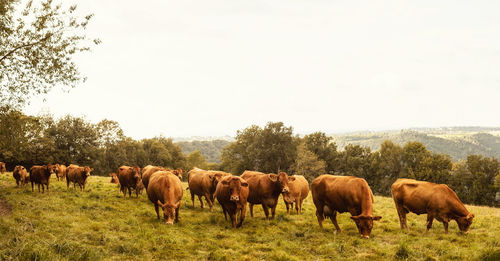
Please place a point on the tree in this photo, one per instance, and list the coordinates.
(323, 147)
(37, 48)
(270, 149)
(307, 163)
(386, 165)
(355, 161)
(196, 159)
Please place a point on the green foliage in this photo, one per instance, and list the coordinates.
(196, 159)
(270, 149)
(37, 47)
(323, 147)
(102, 225)
(307, 163)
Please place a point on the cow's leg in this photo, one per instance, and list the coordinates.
(402, 216)
(17, 183)
(32, 187)
(233, 218)
(333, 217)
(129, 192)
(157, 211)
(192, 197)
(266, 210)
(287, 207)
(209, 202)
(300, 207)
(319, 213)
(242, 215)
(430, 218)
(136, 192)
(67, 184)
(445, 224)
(224, 211)
(177, 215)
(201, 201)
(251, 209)
(273, 211)
(38, 185)
(123, 190)
(297, 205)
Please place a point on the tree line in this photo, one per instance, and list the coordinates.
(31, 140)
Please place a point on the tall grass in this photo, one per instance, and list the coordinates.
(100, 224)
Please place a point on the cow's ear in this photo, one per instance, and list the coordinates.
(470, 217)
(159, 203)
(244, 184)
(225, 182)
(355, 218)
(273, 177)
(290, 178)
(377, 218)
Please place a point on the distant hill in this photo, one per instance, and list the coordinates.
(211, 149)
(458, 142)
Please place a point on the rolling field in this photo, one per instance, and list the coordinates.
(100, 224)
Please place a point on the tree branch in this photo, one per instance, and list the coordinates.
(24, 46)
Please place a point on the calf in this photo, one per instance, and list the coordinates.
(438, 201)
(165, 191)
(203, 183)
(78, 175)
(265, 189)
(60, 171)
(114, 178)
(332, 194)
(20, 174)
(232, 193)
(299, 189)
(129, 177)
(40, 175)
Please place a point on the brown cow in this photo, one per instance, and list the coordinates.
(203, 183)
(78, 175)
(2, 167)
(60, 171)
(165, 190)
(178, 172)
(129, 177)
(114, 178)
(265, 189)
(332, 194)
(299, 189)
(21, 175)
(232, 193)
(148, 171)
(40, 175)
(438, 201)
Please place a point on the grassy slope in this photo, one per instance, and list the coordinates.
(101, 224)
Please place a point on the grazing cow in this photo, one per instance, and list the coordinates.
(78, 175)
(40, 175)
(299, 189)
(203, 183)
(2, 167)
(148, 171)
(114, 178)
(332, 194)
(232, 193)
(129, 177)
(21, 175)
(60, 171)
(165, 190)
(265, 189)
(438, 201)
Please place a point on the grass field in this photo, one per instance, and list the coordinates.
(99, 224)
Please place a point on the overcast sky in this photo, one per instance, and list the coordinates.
(184, 68)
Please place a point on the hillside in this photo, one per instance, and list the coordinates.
(102, 225)
(211, 149)
(456, 142)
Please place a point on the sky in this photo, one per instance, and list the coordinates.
(210, 68)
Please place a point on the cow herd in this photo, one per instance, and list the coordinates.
(331, 194)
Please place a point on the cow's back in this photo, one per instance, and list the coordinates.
(199, 182)
(260, 186)
(163, 183)
(299, 187)
(343, 193)
(147, 172)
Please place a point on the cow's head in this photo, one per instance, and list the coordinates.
(169, 211)
(178, 172)
(365, 224)
(234, 185)
(215, 178)
(51, 168)
(465, 222)
(281, 180)
(114, 178)
(87, 170)
(136, 172)
(2, 167)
